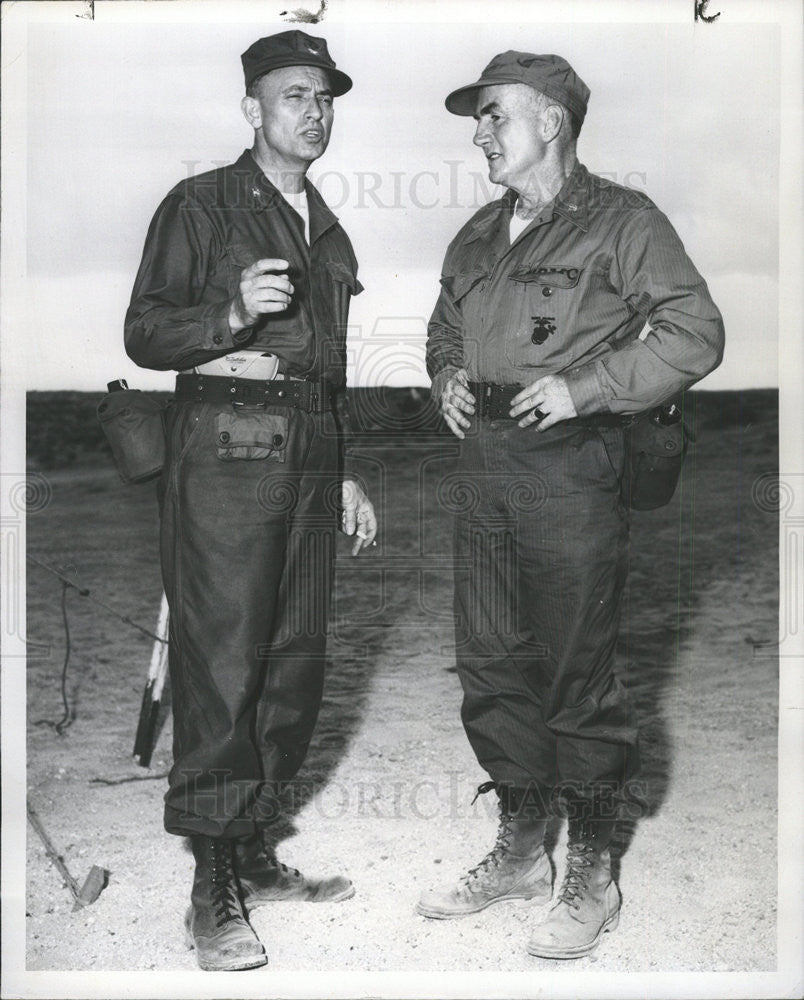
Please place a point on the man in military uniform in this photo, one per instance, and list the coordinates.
(244, 289)
(536, 357)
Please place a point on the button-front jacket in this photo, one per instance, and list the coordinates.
(571, 296)
(205, 232)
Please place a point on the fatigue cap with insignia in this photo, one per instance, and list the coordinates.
(550, 74)
(292, 48)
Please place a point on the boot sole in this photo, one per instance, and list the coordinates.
(233, 965)
(580, 950)
(252, 903)
(238, 966)
(434, 914)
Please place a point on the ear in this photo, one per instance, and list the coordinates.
(551, 122)
(250, 107)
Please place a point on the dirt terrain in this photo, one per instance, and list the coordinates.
(390, 778)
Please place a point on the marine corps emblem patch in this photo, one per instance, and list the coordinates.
(543, 326)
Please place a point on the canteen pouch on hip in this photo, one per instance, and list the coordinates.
(134, 426)
(654, 452)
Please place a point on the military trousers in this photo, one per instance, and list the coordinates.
(248, 503)
(540, 561)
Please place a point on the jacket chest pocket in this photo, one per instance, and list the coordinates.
(458, 286)
(547, 287)
(547, 278)
(250, 434)
(343, 275)
(238, 256)
(342, 285)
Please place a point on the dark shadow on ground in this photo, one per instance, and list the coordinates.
(708, 534)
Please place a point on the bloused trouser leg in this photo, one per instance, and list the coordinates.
(295, 656)
(540, 565)
(239, 566)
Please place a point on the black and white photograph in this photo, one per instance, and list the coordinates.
(402, 499)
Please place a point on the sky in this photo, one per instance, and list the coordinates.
(117, 110)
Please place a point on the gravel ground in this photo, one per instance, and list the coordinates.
(393, 775)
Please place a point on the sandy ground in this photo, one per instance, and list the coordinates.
(392, 772)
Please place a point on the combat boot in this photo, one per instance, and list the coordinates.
(517, 867)
(215, 924)
(263, 879)
(588, 903)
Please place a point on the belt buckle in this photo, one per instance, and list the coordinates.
(244, 390)
(241, 404)
(487, 394)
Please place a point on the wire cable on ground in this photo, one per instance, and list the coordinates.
(66, 583)
(85, 592)
(66, 719)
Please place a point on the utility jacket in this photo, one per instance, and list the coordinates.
(205, 232)
(571, 296)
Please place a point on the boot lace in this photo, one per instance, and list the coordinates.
(580, 859)
(496, 854)
(274, 863)
(223, 892)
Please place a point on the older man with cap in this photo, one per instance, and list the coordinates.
(244, 289)
(538, 351)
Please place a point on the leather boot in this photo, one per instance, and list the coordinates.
(588, 903)
(215, 924)
(263, 879)
(515, 868)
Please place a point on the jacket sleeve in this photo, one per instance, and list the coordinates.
(444, 337)
(168, 325)
(653, 274)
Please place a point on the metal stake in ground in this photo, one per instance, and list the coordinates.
(94, 883)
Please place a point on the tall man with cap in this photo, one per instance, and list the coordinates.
(244, 289)
(536, 360)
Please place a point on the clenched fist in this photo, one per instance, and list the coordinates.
(263, 289)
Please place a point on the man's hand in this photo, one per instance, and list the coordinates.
(358, 516)
(551, 399)
(456, 400)
(263, 289)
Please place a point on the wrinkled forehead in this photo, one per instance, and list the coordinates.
(308, 78)
(508, 96)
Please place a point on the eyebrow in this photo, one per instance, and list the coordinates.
(487, 109)
(325, 91)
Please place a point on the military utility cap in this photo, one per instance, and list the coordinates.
(292, 48)
(552, 75)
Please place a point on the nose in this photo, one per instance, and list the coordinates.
(481, 135)
(314, 111)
